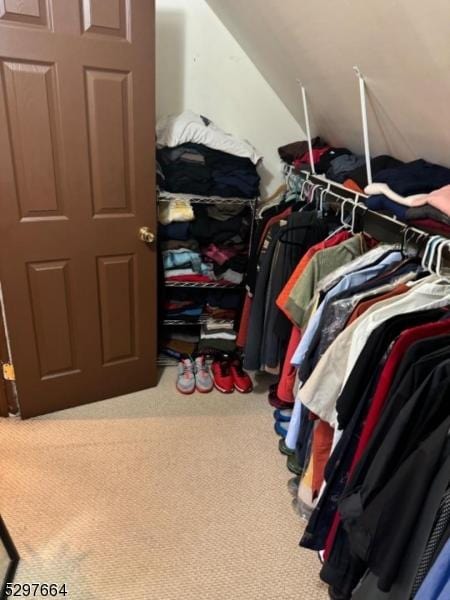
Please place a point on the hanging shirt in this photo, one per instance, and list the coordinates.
(321, 390)
(372, 269)
(321, 264)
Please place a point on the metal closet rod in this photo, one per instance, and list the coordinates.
(371, 220)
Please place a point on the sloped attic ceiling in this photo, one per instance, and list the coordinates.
(401, 46)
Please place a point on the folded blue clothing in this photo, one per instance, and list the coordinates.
(174, 259)
(381, 203)
(186, 312)
(416, 177)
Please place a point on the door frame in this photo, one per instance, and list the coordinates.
(7, 399)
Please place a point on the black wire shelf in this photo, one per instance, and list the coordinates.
(197, 199)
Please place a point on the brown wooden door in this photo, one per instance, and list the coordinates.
(76, 184)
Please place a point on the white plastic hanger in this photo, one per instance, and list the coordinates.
(355, 202)
(302, 190)
(427, 251)
(444, 244)
(322, 194)
(435, 242)
(346, 225)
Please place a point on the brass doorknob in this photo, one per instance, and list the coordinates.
(146, 235)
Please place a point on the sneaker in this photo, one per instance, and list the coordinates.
(203, 379)
(222, 377)
(281, 429)
(186, 378)
(283, 415)
(241, 379)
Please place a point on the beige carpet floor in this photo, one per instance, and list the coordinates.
(156, 496)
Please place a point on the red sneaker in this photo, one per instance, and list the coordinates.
(222, 377)
(241, 379)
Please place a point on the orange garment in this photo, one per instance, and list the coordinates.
(352, 185)
(285, 389)
(363, 306)
(321, 444)
(283, 296)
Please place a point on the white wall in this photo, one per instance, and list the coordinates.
(401, 46)
(200, 66)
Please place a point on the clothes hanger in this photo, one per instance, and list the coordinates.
(322, 194)
(302, 190)
(426, 253)
(344, 202)
(315, 187)
(355, 202)
(434, 244)
(444, 244)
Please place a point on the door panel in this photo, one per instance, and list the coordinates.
(52, 317)
(76, 184)
(106, 17)
(116, 275)
(24, 11)
(110, 139)
(33, 123)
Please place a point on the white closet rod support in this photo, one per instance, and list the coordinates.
(308, 128)
(362, 93)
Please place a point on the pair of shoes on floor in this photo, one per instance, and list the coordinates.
(194, 375)
(282, 414)
(228, 375)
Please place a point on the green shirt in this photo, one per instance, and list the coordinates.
(322, 264)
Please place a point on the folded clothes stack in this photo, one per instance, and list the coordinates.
(217, 337)
(204, 218)
(223, 305)
(197, 157)
(220, 224)
(212, 247)
(338, 164)
(412, 192)
(183, 304)
(178, 342)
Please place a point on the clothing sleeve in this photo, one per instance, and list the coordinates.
(302, 292)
